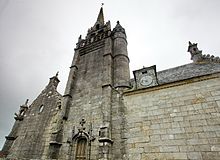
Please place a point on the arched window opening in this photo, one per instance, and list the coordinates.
(41, 108)
(81, 149)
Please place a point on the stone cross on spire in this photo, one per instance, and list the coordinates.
(26, 102)
(100, 19)
(57, 73)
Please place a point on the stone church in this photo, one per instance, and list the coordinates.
(106, 115)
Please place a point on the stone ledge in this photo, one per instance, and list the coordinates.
(105, 139)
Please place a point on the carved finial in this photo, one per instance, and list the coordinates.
(102, 4)
(119, 28)
(196, 54)
(82, 122)
(57, 73)
(82, 128)
(22, 111)
(26, 102)
(80, 38)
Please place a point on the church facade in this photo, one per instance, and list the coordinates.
(105, 115)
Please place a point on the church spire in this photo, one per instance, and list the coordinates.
(100, 19)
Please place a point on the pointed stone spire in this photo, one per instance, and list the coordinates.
(100, 19)
(119, 28)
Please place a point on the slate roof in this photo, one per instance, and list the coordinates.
(187, 71)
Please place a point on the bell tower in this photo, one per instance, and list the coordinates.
(99, 70)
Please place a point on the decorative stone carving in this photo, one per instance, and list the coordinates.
(82, 132)
(76, 138)
(56, 125)
(98, 32)
(23, 109)
(198, 57)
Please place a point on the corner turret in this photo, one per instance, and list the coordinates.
(121, 60)
(119, 28)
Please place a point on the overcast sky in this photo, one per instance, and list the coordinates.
(38, 37)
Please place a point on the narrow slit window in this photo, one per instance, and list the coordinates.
(41, 108)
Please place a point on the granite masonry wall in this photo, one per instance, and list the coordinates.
(179, 120)
(33, 135)
(86, 103)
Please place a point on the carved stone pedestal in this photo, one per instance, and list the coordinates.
(105, 144)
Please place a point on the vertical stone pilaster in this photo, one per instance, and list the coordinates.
(105, 142)
(69, 86)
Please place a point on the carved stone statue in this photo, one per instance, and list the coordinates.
(23, 109)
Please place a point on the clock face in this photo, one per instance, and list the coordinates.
(146, 80)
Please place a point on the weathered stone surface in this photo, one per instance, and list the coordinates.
(102, 116)
(32, 136)
(179, 125)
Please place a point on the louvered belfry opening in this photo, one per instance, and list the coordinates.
(81, 149)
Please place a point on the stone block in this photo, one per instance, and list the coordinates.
(178, 119)
(198, 123)
(139, 139)
(186, 148)
(169, 149)
(136, 150)
(210, 155)
(159, 131)
(202, 148)
(155, 126)
(175, 130)
(215, 148)
(197, 129)
(134, 156)
(194, 155)
(151, 149)
(211, 128)
(184, 123)
(197, 141)
(179, 156)
(155, 138)
(207, 134)
(166, 136)
(180, 136)
(218, 103)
